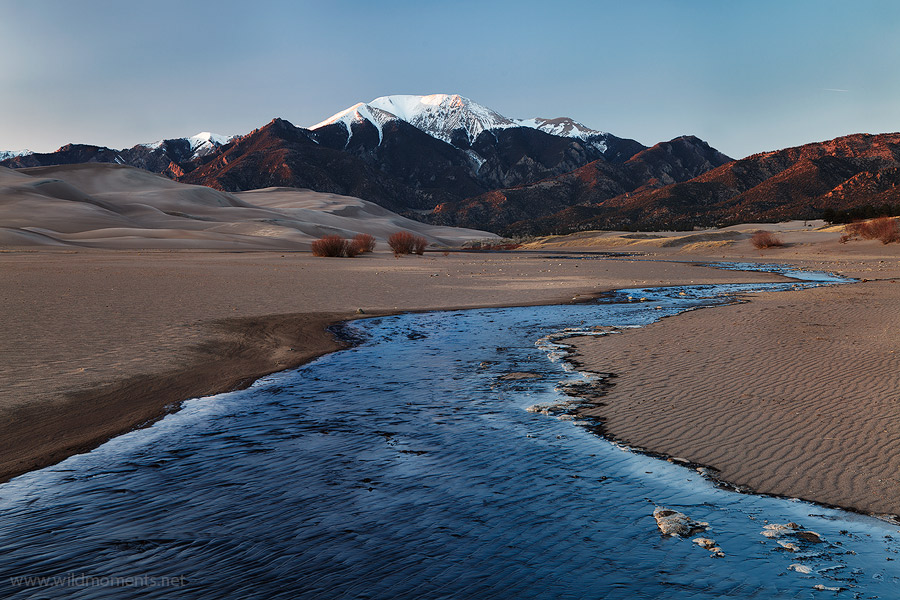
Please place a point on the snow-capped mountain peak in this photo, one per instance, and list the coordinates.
(5, 154)
(441, 115)
(438, 115)
(207, 138)
(201, 144)
(561, 126)
(359, 113)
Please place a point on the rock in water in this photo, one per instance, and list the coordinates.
(789, 546)
(672, 522)
(800, 568)
(773, 530)
(709, 544)
(809, 536)
(517, 375)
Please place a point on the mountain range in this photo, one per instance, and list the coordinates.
(447, 160)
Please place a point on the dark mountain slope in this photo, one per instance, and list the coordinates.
(588, 187)
(795, 183)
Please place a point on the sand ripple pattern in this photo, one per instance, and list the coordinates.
(407, 467)
(811, 414)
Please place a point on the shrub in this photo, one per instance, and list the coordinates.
(884, 229)
(364, 242)
(351, 249)
(335, 245)
(401, 242)
(329, 245)
(404, 242)
(856, 229)
(765, 239)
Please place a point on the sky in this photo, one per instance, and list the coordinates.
(746, 76)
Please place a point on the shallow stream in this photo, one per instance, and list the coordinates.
(407, 467)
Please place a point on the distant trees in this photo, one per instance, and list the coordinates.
(860, 213)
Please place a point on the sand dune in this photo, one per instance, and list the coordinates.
(736, 236)
(118, 207)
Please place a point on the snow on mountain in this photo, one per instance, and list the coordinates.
(205, 142)
(561, 126)
(359, 113)
(4, 154)
(440, 115)
(201, 144)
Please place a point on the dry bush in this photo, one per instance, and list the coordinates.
(329, 245)
(404, 242)
(335, 245)
(401, 242)
(351, 249)
(419, 244)
(884, 229)
(856, 229)
(765, 239)
(364, 242)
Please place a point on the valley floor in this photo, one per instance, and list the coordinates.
(793, 393)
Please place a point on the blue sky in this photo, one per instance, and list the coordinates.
(745, 76)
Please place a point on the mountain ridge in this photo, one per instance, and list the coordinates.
(802, 182)
(448, 160)
(443, 115)
(436, 149)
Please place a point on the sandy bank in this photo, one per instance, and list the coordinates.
(793, 393)
(94, 342)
